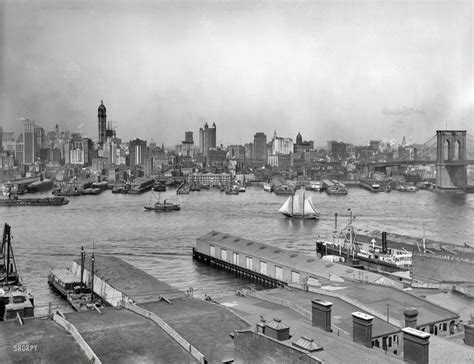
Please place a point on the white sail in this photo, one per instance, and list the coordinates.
(294, 206)
(286, 207)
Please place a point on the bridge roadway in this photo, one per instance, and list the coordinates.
(416, 162)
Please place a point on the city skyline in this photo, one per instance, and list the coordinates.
(392, 69)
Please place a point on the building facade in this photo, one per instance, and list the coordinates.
(260, 147)
(207, 138)
(102, 122)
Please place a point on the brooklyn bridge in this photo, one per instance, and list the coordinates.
(452, 151)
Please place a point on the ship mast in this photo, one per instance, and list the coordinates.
(303, 203)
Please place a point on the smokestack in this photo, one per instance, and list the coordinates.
(384, 242)
(415, 346)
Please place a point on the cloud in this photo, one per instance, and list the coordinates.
(403, 111)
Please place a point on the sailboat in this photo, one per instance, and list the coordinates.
(299, 208)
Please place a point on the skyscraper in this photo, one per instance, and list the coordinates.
(29, 142)
(207, 138)
(138, 152)
(102, 116)
(260, 147)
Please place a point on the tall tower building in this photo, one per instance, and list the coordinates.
(102, 116)
(260, 147)
(29, 142)
(207, 138)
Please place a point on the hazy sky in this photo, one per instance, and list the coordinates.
(347, 70)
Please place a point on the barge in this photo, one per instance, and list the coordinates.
(44, 201)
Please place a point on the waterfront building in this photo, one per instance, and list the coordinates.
(210, 179)
(102, 122)
(260, 147)
(207, 138)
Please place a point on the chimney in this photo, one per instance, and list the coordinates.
(321, 314)
(277, 330)
(384, 242)
(415, 346)
(469, 334)
(362, 328)
(410, 314)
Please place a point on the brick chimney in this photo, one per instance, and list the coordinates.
(321, 314)
(415, 346)
(411, 315)
(277, 330)
(469, 334)
(362, 328)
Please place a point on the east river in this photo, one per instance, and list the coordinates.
(51, 237)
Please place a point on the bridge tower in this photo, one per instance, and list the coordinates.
(451, 164)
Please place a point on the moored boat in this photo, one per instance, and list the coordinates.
(267, 187)
(44, 201)
(40, 186)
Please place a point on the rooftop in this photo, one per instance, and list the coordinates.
(336, 349)
(206, 325)
(39, 340)
(121, 336)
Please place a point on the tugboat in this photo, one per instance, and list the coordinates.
(16, 302)
(162, 206)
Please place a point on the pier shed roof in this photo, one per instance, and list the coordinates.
(289, 258)
(131, 281)
(207, 326)
(378, 297)
(121, 336)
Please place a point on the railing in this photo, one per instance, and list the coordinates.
(61, 320)
(168, 329)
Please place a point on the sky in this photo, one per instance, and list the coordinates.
(343, 70)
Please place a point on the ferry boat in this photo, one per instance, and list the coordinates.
(44, 201)
(315, 186)
(284, 190)
(15, 301)
(267, 187)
